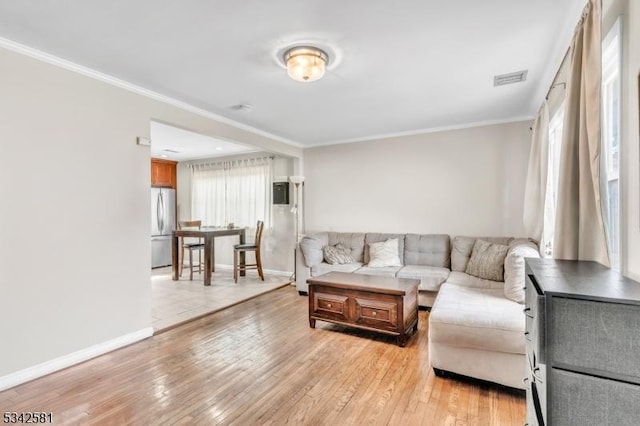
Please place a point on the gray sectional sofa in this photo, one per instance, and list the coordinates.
(476, 325)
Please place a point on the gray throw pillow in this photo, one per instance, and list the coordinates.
(487, 260)
(337, 255)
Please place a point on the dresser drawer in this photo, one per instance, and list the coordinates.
(331, 306)
(376, 313)
(595, 337)
(579, 399)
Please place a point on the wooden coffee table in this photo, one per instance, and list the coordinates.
(369, 302)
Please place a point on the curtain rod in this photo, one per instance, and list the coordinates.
(222, 162)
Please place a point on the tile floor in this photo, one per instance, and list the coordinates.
(175, 302)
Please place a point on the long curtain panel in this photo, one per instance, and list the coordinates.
(580, 231)
(249, 192)
(535, 195)
(237, 192)
(208, 195)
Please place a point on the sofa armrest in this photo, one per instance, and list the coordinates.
(303, 272)
(514, 279)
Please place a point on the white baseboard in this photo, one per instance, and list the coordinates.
(65, 361)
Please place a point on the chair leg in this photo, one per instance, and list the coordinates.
(181, 266)
(235, 266)
(200, 266)
(259, 264)
(190, 265)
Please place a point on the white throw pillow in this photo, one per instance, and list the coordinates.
(384, 254)
(514, 280)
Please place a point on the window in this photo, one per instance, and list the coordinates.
(551, 197)
(611, 136)
(237, 192)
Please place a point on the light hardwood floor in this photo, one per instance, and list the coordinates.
(259, 363)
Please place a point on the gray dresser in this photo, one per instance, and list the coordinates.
(583, 344)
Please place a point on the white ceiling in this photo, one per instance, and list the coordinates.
(397, 67)
(177, 144)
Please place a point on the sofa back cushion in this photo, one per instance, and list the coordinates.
(427, 250)
(378, 238)
(461, 248)
(351, 240)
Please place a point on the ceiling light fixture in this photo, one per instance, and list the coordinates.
(305, 63)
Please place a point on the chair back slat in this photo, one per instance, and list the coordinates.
(259, 228)
(183, 224)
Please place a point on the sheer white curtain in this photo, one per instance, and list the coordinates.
(535, 194)
(249, 192)
(208, 195)
(237, 191)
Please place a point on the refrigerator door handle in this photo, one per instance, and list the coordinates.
(158, 213)
(161, 216)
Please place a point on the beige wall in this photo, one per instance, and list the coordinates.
(629, 11)
(468, 181)
(277, 241)
(75, 196)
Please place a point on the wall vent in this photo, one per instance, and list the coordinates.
(514, 77)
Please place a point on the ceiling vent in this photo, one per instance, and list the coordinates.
(171, 151)
(514, 77)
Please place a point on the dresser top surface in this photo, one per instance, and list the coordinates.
(584, 280)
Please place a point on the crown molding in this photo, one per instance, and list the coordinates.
(426, 131)
(106, 78)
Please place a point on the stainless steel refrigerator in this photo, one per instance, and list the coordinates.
(163, 221)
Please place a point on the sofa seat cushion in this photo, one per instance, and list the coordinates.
(464, 279)
(324, 267)
(477, 318)
(385, 271)
(431, 277)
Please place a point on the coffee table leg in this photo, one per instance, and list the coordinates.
(401, 340)
(312, 323)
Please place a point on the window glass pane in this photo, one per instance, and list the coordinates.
(611, 136)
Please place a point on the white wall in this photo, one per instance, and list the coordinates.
(277, 241)
(468, 181)
(75, 195)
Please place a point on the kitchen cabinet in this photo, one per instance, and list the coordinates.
(583, 339)
(163, 173)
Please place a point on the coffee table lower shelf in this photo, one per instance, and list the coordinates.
(380, 304)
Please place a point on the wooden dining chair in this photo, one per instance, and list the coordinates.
(192, 246)
(255, 247)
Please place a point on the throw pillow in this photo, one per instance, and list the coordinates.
(311, 251)
(337, 255)
(384, 254)
(487, 261)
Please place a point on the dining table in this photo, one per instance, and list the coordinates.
(208, 234)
